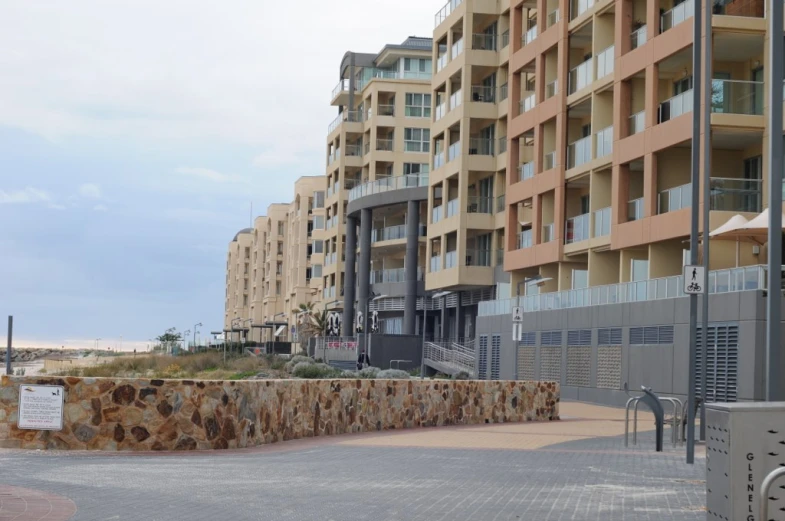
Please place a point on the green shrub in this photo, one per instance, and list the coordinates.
(311, 370)
(393, 374)
(368, 372)
(297, 359)
(462, 375)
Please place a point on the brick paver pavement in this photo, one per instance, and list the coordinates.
(576, 469)
(24, 504)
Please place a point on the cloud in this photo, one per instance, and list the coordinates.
(90, 191)
(26, 196)
(208, 174)
(100, 208)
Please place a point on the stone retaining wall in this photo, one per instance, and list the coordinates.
(141, 414)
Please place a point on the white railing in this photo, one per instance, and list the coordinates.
(342, 86)
(454, 151)
(677, 15)
(440, 111)
(637, 122)
(577, 228)
(525, 239)
(579, 152)
(392, 276)
(605, 61)
(749, 278)
(602, 222)
(438, 159)
(437, 213)
(581, 76)
(526, 171)
(526, 104)
(442, 61)
(457, 49)
(547, 233)
(450, 259)
(605, 142)
(581, 6)
(675, 106)
(436, 263)
(529, 36)
(553, 17)
(387, 184)
(675, 198)
(445, 11)
(635, 209)
(638, 37)
(450, 354)
(452, 208)
(455, 99)
(551, 89)
(549, 161)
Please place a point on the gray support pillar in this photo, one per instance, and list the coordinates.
(412, 251)
(459, 327)
(349, 281)
(443, 332)
(364, 268)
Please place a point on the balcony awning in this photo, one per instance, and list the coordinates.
(755, 230)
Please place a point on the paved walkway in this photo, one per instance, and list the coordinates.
(575, 469)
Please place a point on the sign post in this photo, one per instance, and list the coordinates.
(41, 407)
(517, 324)
(694, 280)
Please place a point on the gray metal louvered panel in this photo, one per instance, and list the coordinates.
(550, 338)
(722, 368)
(526, 357)
(496, 342)
(482, 358)
(529, 338)
(609, 336)
(579, 337)
(651, 335)
(636, 336)
(550, 363)
(579, 366)
(665, 335)
(609, 367)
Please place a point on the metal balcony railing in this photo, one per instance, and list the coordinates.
(503, 92)
(579, 152)
(456, 99)
(525, 239)
(386, 184)
(549, 161)
(438, 159)
(342, 86)
(526, 171)
(457, 49)
(576, 229)
(602, 222)
(479, 204)
(637, 122)
(605, 62)
(737, 97)
(578, 7)
(484, 42)
(354, 150)
(480, 146)
(675, 106)
(501, 203)
(638, 37)
(452, 208)
(445, 11)
(440, 111)
(505, 39)
(451, 259)
(435, 263)
(635, 209)
(736, 195)
(581, 76)
(604, 140)
(384, 145)
(386, 110)
(530, 35)
(675, 198)
(454, 151)
(547, 233)
(478, 257)
(677, 15)
(553, 17)
(437, 213)
(483, 94)
(551, 89)
(526, 104)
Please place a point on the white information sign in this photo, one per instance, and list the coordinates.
(517, 314)
(41, 407)
(694, 280)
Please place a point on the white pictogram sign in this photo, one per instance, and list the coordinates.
(517, 314)
(694, 280)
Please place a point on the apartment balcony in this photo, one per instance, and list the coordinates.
(526, 104)
(454, 151)
(637, 122)
(456, 99)
(503, 92)
(677, 15)
(675, 106)
(440, 111)
(638, 37)
(602, 222)
(483, 94)
(442, 61)
(340, 93)
(578, 7)
(675, 198)
(737, 97)
(501, 203)
(451, 260)
(445, 11)
(576, 229)
(505, 40)
(385, 110)
(457, 48)
(525, 239)
(435, 264)
(484, 42)
(392, 276)
(753, 9)
(350, 116)
(438, 160)
(605, 62)
(736, 195)
(354, 150)
(551, 89)
(635, 209)
(501, 145)
(581, 76)
(604, 142)
(526, 171)
(481, 147)
(553, 18)
(549, 161)
(452, 208)
(548, 233)
(393, 233)
(387, 184)
(477, 257)
(579, 152)
(530, 35)
(334, 156)
(384, 145)
(479, 204)
(437, 213)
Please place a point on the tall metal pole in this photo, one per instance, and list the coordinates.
(774, 387)
(695, 214)
(8, 345)
(424, 326)
(707, 88)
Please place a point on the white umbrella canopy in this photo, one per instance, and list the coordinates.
(727, 230)
(756, 230)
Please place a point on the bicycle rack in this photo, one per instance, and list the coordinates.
(764, 491)
(655, 404)
(632, 400)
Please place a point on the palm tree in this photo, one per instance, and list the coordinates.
(310, 323)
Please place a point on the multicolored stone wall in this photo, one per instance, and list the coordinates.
(139, 414)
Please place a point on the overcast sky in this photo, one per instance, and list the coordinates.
(134, 136)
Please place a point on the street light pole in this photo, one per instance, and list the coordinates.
(195, 326)
(8, 345)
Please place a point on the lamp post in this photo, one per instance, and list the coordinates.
(96, 343)
(196, 326)
(439, 294)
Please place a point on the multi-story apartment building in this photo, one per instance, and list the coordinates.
(270, 266)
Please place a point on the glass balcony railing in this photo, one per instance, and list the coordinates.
(478, 257)
(436, 263)
(677, 15)
(675, 198)
(549, 161)
(483, 94)
(417, 75)
(676, 106)
(503, 92)
(353, 116)
(638, 37)
(384, 145)
(456, 99)
(525, 239)
(388, 183)
(342, 86)
(579, 152)
(604, 140)
(754, 9)
(479, 204)
(386, 110)
(390, 233)
(736, 195)
(530, 35)
(451, 259)
(442, 61)
(354, 150)
(392, 276)
(635, 209)
(484, 42)
(602, 222)
(481, 146)
(454, 151)
(637, 122)
(440, 111)
(505, 39)
(553, 17)
(500, 203)
(748, 278)
(457, 49)
(500, 257)
(578, 7)
(605, 62)
(576, 229)
(445, 11)
(737, 97)
(526, 171)
(551, 89)
(581, 76)
(436, 214)
(438, 159)
(452, 208)
(547, 233)
(526, 104)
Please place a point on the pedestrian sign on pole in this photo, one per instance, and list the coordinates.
(517, 314)
(694, 280)
(517, 332)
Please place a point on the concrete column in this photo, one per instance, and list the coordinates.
(459, 325)
(348, 276)
(412, 251)
(364, 268)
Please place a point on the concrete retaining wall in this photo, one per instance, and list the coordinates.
(141, 414)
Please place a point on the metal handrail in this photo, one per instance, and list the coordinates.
(765, 487)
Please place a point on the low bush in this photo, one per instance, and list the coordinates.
(462, 375)
(315, 371)
(393, 374)
(368, 372)
(297, 359)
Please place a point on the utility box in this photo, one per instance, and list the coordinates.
(744, 443)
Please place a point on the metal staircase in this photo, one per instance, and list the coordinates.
(450, 358)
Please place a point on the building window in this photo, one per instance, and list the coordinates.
(278, 287)
(318, 246)
(416, 140)
(415, 168)
(318, 222)
(417, 68)
(245, 300)
(280, 227)
(418, 105)
(279, 268)
(316, 269)
(280, 248)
